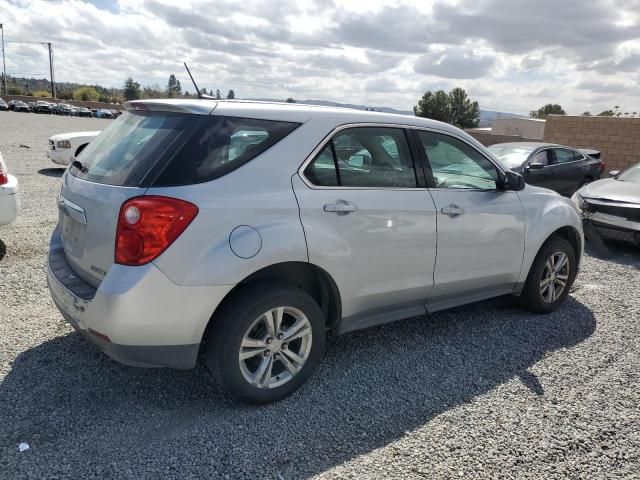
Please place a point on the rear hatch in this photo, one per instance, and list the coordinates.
(114, 168)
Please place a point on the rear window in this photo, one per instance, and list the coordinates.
(166, 149)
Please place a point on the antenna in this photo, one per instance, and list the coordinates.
(200, 95)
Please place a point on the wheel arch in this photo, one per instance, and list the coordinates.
(316, 281)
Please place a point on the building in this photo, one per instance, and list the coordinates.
(530, 128)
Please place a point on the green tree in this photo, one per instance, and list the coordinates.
(15, 90)
(87, 94)
(131, 90)
(41, 94)
(153, 91)
(548, 109)
(218, 95)
(231, 95)
(436, 106)
(464, 112)
(290, 100)
(204, 91)
(586, 114)
(174, 89)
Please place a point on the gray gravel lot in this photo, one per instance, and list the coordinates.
(484, 391)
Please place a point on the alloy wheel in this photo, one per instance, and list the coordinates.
(275, 347)
(554, 277)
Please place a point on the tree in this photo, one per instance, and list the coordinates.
(290, 100)
(607, 113)
(548, 109)
(231, 95)
(15, 90)
(204, 91)
(436, 106)
(464, 113)
(586, 114)
(41, 93)
(131, 90)
(174, 89)
(218, 95)
(86, 94)
(153, 91)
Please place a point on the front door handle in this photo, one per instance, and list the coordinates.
(341, 207)
(452, 210)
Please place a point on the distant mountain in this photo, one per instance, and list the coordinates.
(486, 116)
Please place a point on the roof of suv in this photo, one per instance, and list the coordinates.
(294, 112)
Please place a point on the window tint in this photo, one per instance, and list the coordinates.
(220, 145)
(181, 148)
(365, 157)
(541, 157)
(322, 171)
(563, 155)
(456, 164)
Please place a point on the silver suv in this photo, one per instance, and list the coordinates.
(244, 234)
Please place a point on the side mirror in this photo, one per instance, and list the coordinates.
(535, 166)
(513, 181)
(614, 173)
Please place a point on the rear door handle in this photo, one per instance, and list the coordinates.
(452, 210)
(341, 207)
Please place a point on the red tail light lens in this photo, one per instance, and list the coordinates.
(148, 225)
(603, 165)
(4, 176)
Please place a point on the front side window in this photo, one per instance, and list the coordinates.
(455, 164)
(367, 157)
(542, 158)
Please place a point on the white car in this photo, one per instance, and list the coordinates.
(9, 195)
(64, 146)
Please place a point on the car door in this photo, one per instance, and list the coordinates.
(369, 222)
(480, 227)
(567, 170)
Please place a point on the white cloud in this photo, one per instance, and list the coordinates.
(513, 55)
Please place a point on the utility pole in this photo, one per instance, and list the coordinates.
(4, 65)
(53, 82)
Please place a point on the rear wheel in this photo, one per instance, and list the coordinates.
(265, 342)
(551, 276)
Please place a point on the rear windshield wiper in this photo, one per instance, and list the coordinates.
(80, 166)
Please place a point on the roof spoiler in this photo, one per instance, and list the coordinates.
(592, 153)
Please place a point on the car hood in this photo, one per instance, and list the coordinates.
(612, 189)
(70, 136)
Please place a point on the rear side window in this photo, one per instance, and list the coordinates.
(165, 148)
(564, 156)
(220, 145)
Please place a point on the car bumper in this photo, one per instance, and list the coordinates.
(610, 227)
(9, 201)
(137, 316)
(60, 157)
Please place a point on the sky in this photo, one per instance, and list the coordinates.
(510, 55)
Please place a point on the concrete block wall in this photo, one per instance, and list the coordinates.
(487, 139)
(617, 138)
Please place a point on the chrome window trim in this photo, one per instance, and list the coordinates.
(323, 143)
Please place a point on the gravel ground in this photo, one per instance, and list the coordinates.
(484, 391)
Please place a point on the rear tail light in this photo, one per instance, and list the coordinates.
(603, 166)
(4, 176)
(148, 225)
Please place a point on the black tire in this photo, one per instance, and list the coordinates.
(532, 298)
(233, 320)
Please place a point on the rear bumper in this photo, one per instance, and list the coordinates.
(9, 201)
(61, 157)
(137, 316)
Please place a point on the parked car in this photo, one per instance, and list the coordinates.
(3, 105)
(82, 112)
(557, 167)
(104, 113)
(173, 247)
(612, 205)
(65, 146)
(64, 109)
(21, 107)
(11, 104)
(9, 194)
(42, 107)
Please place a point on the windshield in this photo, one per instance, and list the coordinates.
(631, 175)
(510, 157)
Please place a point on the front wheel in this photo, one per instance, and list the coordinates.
(551, 276)
(265, 342)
